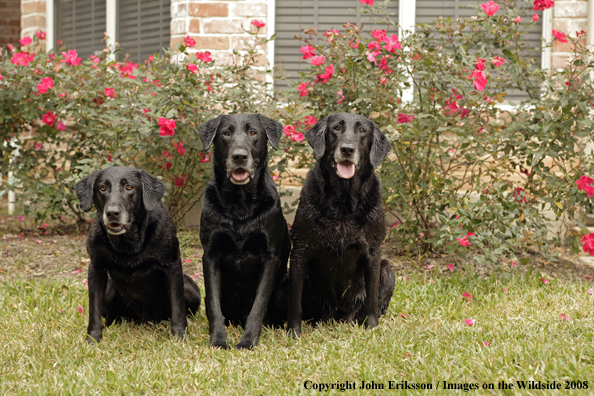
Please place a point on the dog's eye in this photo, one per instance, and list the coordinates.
(361, 130)
(253, 133)
(102, 188)
(337, 128)
(226, 134)
(129, 187)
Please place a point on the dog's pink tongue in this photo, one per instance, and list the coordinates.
(240, 174)
(346, 169)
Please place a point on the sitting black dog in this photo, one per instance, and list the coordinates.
(135, 272)
(243, 232)
(336, 270)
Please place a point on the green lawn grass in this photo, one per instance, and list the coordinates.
(43, 349)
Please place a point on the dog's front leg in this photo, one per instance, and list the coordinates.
(372, 275)
(179, 322)
(253, 326)
(97, 286)
(212, 286)
(296, 277)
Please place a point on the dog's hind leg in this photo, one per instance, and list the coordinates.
(115, 306)
(276, 314)
(191, 295)
(386, 288)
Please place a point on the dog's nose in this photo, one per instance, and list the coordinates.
(239, 155)
(347, 149)
(112, 213)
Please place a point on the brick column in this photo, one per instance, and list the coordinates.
(10, 22)
(569, 17)
(32, 17)
(216, 26)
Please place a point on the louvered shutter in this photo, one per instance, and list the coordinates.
(80, 25)
(143, 27)
(292, 16)
(429, 10)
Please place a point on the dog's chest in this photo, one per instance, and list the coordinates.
(239, 251)
(138, 285)
(339, 235)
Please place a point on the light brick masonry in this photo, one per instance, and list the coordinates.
(32, 17)
(569, 17)
(217, 26)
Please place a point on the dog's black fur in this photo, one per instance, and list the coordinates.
(135, 272)
(243, 232)
(336, 270)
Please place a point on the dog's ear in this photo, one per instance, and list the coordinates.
(208, 131)
(274, 130)
(153, 190)
(380, 146)
(316, 137)
(85, 190)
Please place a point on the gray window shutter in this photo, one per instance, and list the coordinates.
(143, 27)
(429, 10)
(80, 25)
(292, 16)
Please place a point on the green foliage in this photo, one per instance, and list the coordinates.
(104, 129)
(461, 162)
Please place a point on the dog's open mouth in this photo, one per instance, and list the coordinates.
(240, 176)
(345, 169)
(116, 228)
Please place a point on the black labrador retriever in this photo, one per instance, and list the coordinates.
(336, 270)
(135, 271)
(243, 232)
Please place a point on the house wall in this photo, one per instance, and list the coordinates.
(10, 21)
(217, 26)
(569, 17)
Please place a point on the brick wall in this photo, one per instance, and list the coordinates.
(216, 26)
(569, 17)
(10, 22)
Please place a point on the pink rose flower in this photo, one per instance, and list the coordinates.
(498, 61)
(317, 60)
(49, 118)
(308, 51)
(189, 42)
(204, 56)
(490, 8)
(560, 36)
(110, 92)
(71, 58)
(167, 127)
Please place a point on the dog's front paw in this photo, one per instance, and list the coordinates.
(371, 323)
(294, 332)
(247, 342)
(94, 337)
(218, 341)
(179, 332)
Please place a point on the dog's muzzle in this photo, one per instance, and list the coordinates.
(240, 176)
(115, 227)
(240, 166)
(347, 161)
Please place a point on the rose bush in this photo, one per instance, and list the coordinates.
(465, 172)
(62, 117)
